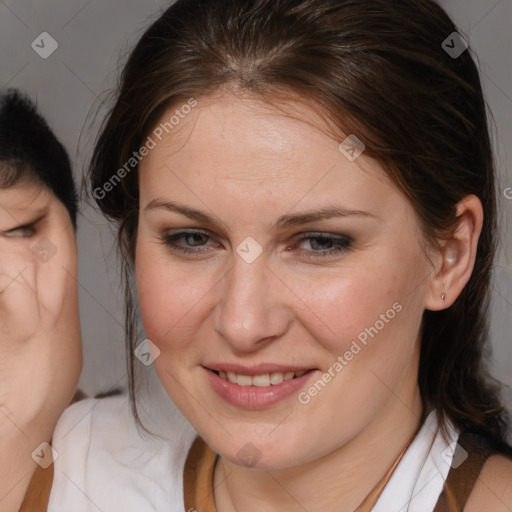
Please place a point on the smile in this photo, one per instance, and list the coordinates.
(262, 380)
(257, 387)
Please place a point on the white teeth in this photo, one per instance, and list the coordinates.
(276, 378)
(244, 380)
(263, 380)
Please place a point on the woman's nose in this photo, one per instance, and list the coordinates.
(254, 306)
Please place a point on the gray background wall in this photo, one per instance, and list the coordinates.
(93, 36)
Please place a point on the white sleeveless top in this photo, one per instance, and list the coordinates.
(105, 464)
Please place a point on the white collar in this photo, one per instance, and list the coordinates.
(418, 480)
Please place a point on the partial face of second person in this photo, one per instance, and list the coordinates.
(239, 288)
(40, 341)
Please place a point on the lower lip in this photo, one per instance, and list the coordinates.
(254, 397)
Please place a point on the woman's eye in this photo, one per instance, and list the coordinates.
(310, 246)
(321, 245)
(187, 241)
(21, 232)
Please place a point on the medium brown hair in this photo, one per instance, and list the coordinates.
(376, 69)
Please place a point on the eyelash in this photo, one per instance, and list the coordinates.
(344, 244)
(29, 231)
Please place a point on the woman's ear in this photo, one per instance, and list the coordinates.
(456, 258)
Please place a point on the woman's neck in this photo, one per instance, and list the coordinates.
(339, 481)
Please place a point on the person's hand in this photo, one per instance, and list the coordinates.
(40, 353)
(40, 342)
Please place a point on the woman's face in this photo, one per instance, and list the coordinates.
(263, 250)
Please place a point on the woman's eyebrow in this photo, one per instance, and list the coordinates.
(172, 206)
(285, 221)
(327, 212)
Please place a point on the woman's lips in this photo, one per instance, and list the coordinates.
(257, 389)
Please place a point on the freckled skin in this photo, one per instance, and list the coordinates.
(246, 165)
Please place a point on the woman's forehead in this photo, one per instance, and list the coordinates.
(250, 140)
(249, 169)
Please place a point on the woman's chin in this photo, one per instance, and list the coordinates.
(253, 451)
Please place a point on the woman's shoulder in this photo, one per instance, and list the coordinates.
(103, 456)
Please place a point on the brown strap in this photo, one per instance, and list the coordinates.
(38, 493)
(198, 477)
(462, 479)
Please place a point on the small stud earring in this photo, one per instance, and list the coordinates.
(451, 260)
(443, 296)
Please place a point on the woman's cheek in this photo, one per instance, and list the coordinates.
(150, 291)
(343, 306)
(169, 299)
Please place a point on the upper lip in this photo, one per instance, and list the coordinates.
(257, 369)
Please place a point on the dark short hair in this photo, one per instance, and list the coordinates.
(379, 69)
(30, 150)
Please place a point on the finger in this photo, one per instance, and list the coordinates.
(56, 270)
(19, 309)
